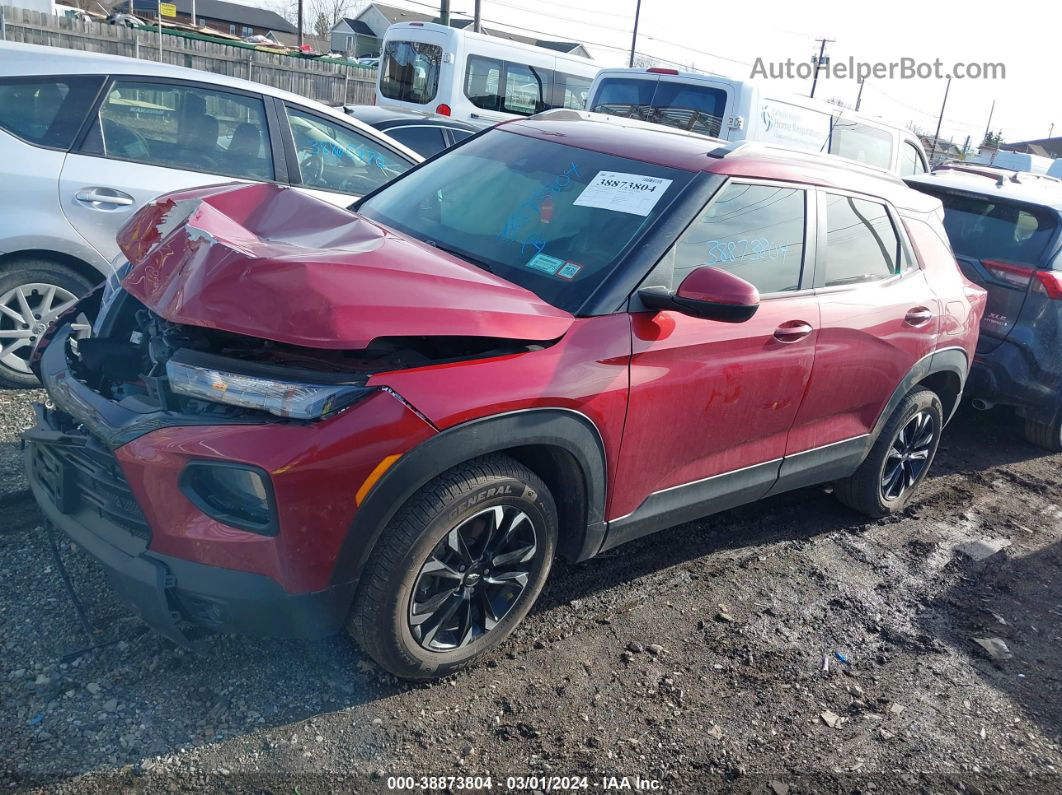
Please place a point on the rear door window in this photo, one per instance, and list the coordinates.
(861, 242)
(410, 71)
(987, 228)
(753, 231)
(47, 111)
(183, 126)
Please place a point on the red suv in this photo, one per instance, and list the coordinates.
(561, 335)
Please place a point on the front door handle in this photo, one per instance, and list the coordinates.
(918, 316)
(793, 331)
(98, 196)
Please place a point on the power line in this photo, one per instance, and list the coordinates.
(602, 45)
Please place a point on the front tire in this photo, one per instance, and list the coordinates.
(456, 569)
(899, 460)
(33, 292)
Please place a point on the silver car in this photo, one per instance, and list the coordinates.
(86, 139)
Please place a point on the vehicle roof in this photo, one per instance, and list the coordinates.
(375, 114)
(666, 146)
(28, 60)
(1031, 190)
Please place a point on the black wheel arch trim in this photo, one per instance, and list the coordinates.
(565, 429)
(943, 360)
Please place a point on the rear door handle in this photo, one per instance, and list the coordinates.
(793, 331)
(918, 316)
(96, 196)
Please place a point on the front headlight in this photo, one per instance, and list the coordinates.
(300, 400)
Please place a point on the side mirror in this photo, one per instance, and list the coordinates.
(708, 293)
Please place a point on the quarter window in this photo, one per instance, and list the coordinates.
(753, 231)
(861, 242)
(186, 127)
(46, 111)
(423, 140)
(571, 91)
(334, 157)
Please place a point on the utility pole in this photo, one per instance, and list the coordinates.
(818, 62)
(477, 22)
(966, 147)
(300, 25)
(1051, 130)
(940, 119)
(634, 38)
(859, 96)
(444, 12)
(988, 127)
(194, 23)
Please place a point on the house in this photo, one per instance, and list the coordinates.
(942, 151)
(362, 35)
(238, 20)
(1044, 147)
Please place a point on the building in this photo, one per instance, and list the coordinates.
(238, 20)
(362, 35)
(1044, 147)
(941, 151)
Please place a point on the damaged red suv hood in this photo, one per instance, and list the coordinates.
(271, 262)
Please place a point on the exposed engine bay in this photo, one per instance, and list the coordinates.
(127, 361)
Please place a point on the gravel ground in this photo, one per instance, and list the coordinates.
(789, 646)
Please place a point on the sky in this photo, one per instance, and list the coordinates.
(727, 38)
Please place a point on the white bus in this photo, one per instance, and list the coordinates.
(739, 110)
(478, 78)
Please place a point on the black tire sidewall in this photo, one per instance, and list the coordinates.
(914, 403)
(29, 272)
(531, 498)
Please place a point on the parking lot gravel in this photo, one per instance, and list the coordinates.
(787, 646)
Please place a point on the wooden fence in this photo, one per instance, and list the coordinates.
(331, 83)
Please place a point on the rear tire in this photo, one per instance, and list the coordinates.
(1045, 435)
(443, 551)
(46, 287)
(909, 441)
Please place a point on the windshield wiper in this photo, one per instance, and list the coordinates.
(461, 255)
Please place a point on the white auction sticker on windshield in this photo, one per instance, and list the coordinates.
(624, 193)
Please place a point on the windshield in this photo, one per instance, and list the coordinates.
(687, 106)
(985, 228)
(548, 217)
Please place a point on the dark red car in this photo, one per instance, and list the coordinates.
(561, 335)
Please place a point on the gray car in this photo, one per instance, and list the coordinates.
(86, 139)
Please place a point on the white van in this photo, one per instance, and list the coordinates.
(739, 110)
(474, 77)
(1015, 161)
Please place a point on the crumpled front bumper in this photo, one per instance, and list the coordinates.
(76, 478)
